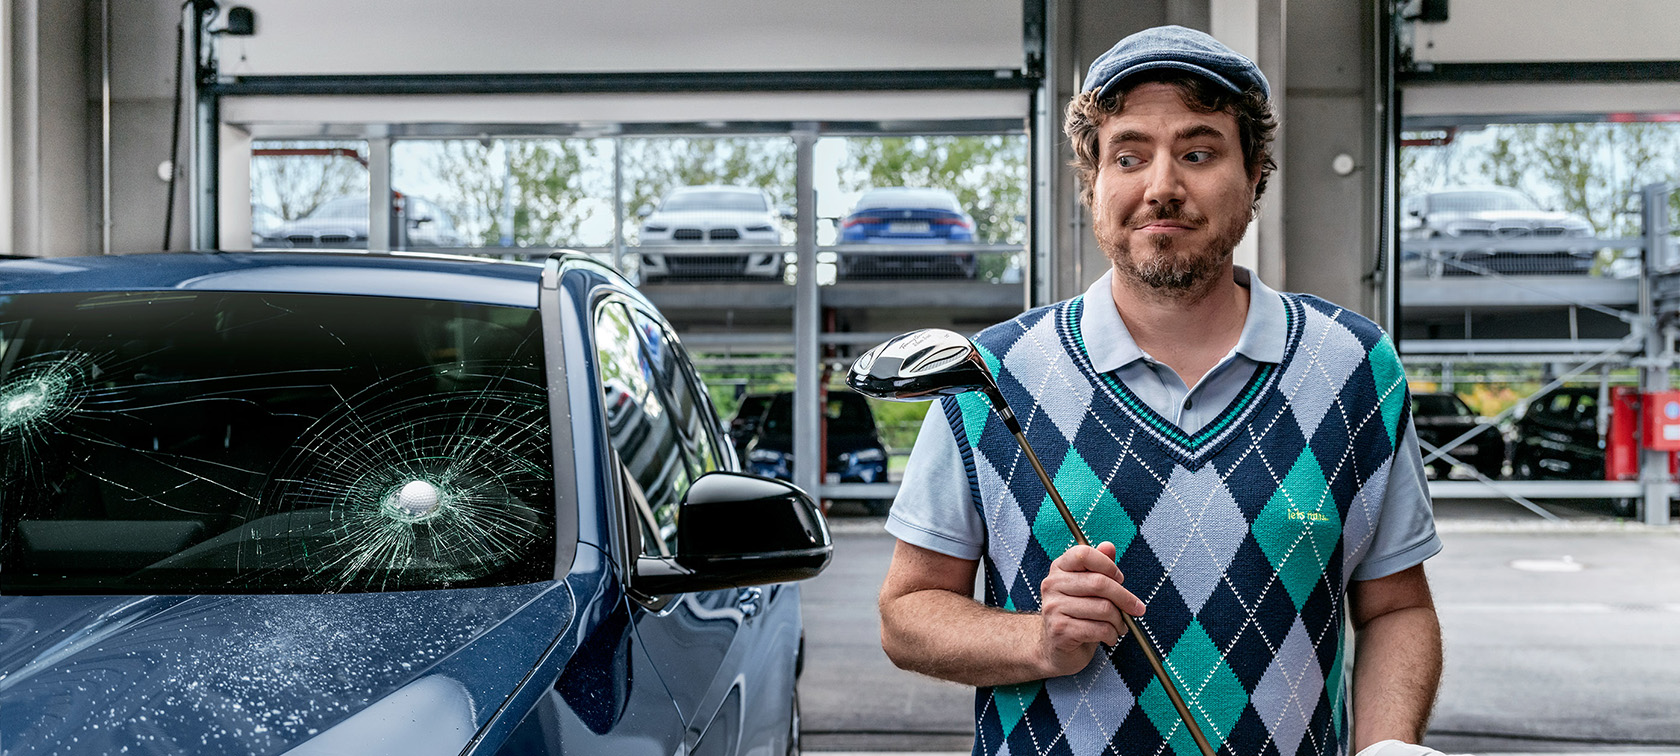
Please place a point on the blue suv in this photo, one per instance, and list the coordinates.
(346, 503)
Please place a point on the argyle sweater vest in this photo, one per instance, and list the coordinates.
(1239, 538)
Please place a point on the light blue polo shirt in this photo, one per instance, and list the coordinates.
(934, 510)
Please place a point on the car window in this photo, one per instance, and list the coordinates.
(1483, 200)
(1438, 405)
(1586, 405)
(848, 413)
(642, 428)
(1559, 404)
(691, 406)
(191, 443)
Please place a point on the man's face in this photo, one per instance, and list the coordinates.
(1172, 196)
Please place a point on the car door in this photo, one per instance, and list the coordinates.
(702, 642)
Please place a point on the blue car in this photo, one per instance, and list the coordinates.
(906, 217)
(331, 503)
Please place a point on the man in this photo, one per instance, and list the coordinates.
(1244, 459)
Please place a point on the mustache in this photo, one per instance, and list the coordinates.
(1170, 212)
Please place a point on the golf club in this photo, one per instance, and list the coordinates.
(932, 362)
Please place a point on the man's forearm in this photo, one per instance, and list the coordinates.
(1396, 671)
(953, 637)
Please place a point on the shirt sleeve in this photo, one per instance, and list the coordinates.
(1405, 534)
(934, 509)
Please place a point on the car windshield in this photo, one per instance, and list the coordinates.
(716, 201)
(1474, 201)
(193, 443)
(1437, 405)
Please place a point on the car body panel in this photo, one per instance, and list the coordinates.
(1496, 214)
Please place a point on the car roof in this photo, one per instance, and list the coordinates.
(717, 188)
(415, 276)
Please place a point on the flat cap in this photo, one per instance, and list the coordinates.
(1178, 48)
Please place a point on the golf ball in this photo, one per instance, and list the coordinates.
(417, 499)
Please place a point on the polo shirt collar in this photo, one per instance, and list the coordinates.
(1110, 346)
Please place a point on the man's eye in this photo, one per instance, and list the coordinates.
(1199, 156)
(1128, 161)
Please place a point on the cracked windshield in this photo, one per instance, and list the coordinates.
(247, 443)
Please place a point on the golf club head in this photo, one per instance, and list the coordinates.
(921, 365)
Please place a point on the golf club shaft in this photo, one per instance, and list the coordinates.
(1132, 628)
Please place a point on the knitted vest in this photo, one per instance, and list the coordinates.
(1239, 537)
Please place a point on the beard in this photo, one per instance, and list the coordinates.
(1175, 267)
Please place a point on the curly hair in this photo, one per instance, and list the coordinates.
(1256, 125)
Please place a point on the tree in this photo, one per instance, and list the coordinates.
(544, 181)
(988, 174)
(294, 185)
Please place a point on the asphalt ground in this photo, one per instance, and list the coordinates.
(1561, 637)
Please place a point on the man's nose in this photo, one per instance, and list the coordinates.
(1166, 183)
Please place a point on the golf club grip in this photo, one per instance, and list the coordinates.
(1132, 628)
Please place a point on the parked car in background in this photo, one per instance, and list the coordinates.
(712, 216)
(905, 215)
(342, 223)
(323, 503)
(744, 425)
(265, 224)
(1497, 215)
(855, 451)
(1441, 417)
(1561, 435)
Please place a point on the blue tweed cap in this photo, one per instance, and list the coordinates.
(1174, 47)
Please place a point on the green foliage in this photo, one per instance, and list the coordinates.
(545, 178)
(987, 173)
(294, 185)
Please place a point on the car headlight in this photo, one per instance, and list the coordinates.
(655, 229)
(868, 455)
(759, 229)
(768, 456)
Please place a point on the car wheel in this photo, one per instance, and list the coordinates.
(1624, 507)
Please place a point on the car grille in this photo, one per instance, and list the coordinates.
(706, 266)
(725, 234)
(687, 234)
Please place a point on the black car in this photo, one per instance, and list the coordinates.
(748, 415)
(1441, 418)
(855, 451)
(1560, 437)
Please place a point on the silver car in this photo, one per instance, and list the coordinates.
(714, 217)
(1518, 232)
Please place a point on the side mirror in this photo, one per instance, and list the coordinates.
(736, 530)
(416, 222)
(787, 213)
(644, 211)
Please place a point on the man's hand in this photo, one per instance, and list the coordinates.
(1083, 597)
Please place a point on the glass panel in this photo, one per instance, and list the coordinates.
(691, 408)
(641, 427)
(309, 194)
(507, 193)
(714, 209)
(184, 443)
(900, 198)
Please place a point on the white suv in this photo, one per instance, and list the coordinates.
(714, 217)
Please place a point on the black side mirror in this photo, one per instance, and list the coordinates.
(736, 530)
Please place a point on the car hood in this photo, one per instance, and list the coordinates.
(263, 674)
(353, 226)
(709, 218)
(1549, 217)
